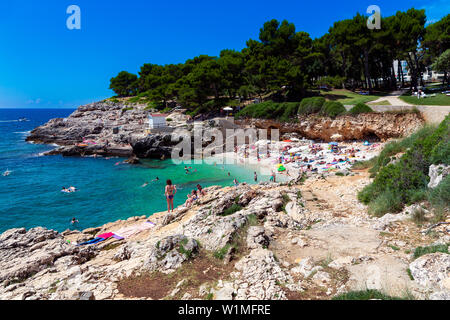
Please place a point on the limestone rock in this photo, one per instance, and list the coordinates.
(436, 174)
(23, 253)
(257, 237)
(170, 253)
(432, 270)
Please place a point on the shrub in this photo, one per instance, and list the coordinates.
(333, 109)
(439, 143)
(439, 197)
(311, 105)
(418, 216)
(405, 182)
(420, 251)
(234, 208)
(367, 294)
(387, 201)
(395, 147)
(270, 110)
(360, 108)
(220, 254)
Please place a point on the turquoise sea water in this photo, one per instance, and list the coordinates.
(31, 195)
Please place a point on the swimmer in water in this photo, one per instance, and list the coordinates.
(74, 220)
(156, 179)
(144, 185)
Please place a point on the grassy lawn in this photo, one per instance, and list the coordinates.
(347, 97)
(382, 103)
(439, 100)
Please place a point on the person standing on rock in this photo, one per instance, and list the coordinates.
(170, 192)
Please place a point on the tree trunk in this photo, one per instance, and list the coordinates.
(393, 79)
(366, 69)
(344, 69)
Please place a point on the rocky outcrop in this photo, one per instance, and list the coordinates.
(111, 129)
(436, 174)
(363, 126)
(258, 277)
(169, 253)
(432, 271)
(266, 241)
(23, 254)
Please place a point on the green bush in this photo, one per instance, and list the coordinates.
(405, 182)
(440, 196)
(367, 294)
(311, 105)
(234, 208)
(270, 110)
(360, 108)
(420, 251)
(333, 108)
(387, 201)
(395, 147)
(439, 143)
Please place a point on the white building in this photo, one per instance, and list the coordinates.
(157, 120)
(427, 75)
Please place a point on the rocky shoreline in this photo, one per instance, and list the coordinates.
(292, 240)
(116, 129)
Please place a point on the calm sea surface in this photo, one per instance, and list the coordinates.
(31, 195)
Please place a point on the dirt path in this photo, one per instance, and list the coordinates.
(344, 236)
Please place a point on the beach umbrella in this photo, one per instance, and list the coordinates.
(295, 150)
(228, 109)
(334, 143)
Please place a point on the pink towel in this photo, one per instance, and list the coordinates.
(106, 235)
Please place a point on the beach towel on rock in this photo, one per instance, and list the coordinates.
(127, 232)
(106, 235)
(93, 241)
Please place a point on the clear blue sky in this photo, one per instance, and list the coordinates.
(43, 64)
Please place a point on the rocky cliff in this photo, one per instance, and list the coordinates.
(110, 129)
(363, 126)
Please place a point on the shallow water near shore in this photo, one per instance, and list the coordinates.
(31, 195)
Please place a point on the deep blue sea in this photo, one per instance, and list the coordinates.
(31, 195)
